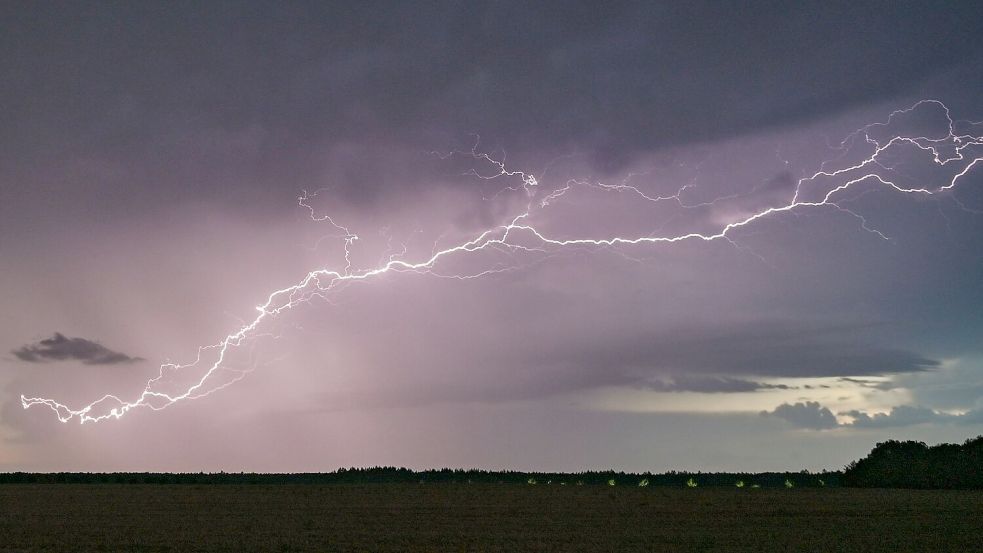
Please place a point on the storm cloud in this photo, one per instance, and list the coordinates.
(62, 348)
(152, 156)
(259, 93)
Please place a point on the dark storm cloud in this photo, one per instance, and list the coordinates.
(253, 89)
(809, 414)
(62, 348)
(151, 154)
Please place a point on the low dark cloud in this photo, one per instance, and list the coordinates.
(805, 415)
(711, 385)
(812, 414)
(62, 348)
(910, 415)
(873, 384)
(541, 362)
(760, 348)
(901, 415)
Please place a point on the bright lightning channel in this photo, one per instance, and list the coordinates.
(321, 282)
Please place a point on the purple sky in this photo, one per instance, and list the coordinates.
(656, 256)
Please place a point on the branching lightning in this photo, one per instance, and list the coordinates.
(962, 151)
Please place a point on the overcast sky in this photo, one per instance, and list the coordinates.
(152, 157)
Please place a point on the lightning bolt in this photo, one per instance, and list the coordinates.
(520, 235)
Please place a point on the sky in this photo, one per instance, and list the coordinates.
(299, 236)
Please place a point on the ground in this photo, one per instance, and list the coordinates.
(485, 517)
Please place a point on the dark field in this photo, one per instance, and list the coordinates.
(482, 517)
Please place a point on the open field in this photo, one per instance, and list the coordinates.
(482, 517)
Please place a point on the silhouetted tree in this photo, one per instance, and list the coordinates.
(909, 464)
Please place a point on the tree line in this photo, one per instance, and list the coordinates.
(891, 464)
(399, 475)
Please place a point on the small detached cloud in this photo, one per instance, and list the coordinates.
(805, 415)
(62, 348)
